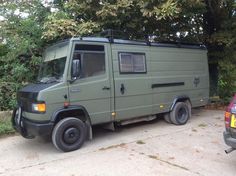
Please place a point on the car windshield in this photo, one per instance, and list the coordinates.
(52, 70)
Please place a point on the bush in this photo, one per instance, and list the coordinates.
(5, 123)
(227, 80)
(8, 95)
(15, 73)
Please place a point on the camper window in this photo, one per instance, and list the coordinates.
(132, 62)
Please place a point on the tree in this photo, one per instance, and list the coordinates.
(21, 46)
(220, 37)
(31, 25)
(163, 18)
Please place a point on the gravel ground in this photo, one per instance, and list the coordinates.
(145, 149)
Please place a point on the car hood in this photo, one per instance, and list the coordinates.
(30, 92)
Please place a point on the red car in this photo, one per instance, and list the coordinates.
(230, 126)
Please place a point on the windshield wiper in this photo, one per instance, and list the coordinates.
(47, 80)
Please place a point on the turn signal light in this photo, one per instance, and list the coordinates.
(227, 119)
(227, 114)
(39, 107)
(66, 104)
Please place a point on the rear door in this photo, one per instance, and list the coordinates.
(132, 81)
(92, 89)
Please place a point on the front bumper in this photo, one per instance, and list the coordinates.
(229, 140)
(28, 128)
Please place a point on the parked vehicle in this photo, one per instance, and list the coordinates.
(230, 126)
(88, 81)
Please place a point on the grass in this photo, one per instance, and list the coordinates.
(140, 142)
(112, 146)
(5, 124)
(167, 162)
(202, 125)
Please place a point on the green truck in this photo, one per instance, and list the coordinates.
(87, 81)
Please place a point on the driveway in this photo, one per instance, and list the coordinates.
(145, 149)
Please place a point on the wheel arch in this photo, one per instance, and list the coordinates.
(182, 98)
(79, 112)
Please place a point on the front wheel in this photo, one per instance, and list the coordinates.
(180, 114)
(69, 134)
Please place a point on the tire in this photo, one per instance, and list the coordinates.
(167, 118)
(69, 134)
(180, 114)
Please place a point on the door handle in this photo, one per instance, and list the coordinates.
(122, 89)
(106, 88)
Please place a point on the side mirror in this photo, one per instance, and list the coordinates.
(76, 67)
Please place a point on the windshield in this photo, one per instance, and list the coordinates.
(52, 70)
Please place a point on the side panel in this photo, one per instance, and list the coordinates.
(136, 100)
(177, 72)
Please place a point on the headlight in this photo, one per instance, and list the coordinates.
(39, 107)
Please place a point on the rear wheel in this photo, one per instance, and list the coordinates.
(180, 114)
(69, 134)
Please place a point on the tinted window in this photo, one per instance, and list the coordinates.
(92, 59)
(93, 64)
(132, 63)
(52, 70)
(79, 47)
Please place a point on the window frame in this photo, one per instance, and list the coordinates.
(82, 52)
(140, 53)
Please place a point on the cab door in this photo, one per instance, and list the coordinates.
(92, 88)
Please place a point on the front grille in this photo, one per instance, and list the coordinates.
(25, 100)
(25, 104)
(27, 95)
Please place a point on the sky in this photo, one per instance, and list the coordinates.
(17, 12)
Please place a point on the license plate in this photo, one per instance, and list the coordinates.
(233, 121)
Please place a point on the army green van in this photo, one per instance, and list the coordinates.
(93, 80)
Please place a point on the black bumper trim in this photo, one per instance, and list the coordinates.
(30, 129)
(230, 141)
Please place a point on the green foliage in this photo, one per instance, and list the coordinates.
(6, 125)
(59, 26)
(7, 95)
(220, 37)
(3, 49)
(227, 65)
(226, 79)
(21, 47)
(158, 18)
(31, 25)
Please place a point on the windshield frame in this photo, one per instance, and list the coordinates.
(53, 53)
(52, 71)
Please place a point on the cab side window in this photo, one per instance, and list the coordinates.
(92, 59)
(93, 64)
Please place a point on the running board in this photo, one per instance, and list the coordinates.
(139, 119)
